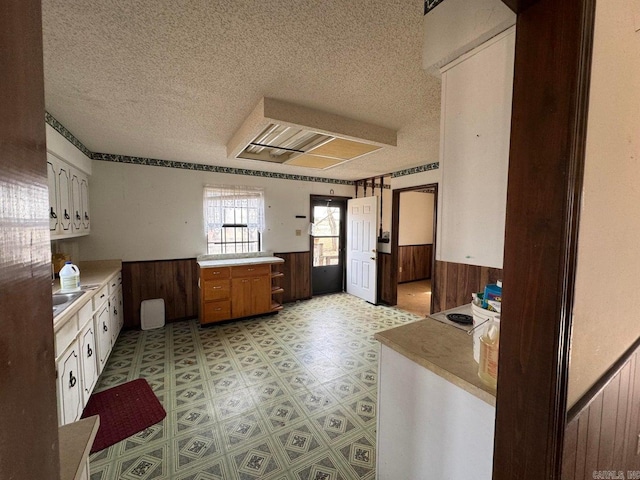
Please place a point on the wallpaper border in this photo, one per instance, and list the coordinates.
(154, 162)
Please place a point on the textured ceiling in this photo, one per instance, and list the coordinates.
(174, 79)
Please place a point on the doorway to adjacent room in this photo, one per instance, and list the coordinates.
(413, 248)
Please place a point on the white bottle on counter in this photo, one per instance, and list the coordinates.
(69, 278)
(489, 346)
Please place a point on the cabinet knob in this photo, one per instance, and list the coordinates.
(52, 214)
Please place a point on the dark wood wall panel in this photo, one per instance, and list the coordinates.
(29, 442)
(175, 281)
(603, 427)
(386, 286)
(414, 262)
(453, 283)
(297, 275)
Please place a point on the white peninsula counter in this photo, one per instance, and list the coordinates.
(435, 417)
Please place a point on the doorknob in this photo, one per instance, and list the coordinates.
(374, 250)
(373, 258)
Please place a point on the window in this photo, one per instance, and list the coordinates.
(233, 218)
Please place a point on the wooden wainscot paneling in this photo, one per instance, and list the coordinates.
(414, 262)
(454, 283)
(296, 281)
(386, 286)
(603, 426)
(176, 281)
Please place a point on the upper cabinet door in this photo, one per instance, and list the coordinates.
(53, 195)
(64, 188)
(84, 200)
(76, 202)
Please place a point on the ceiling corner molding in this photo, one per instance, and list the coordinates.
(62, 130)
(430, 5)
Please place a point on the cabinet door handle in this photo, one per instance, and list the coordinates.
(104, 327)
(66, 215)
(52, 214)
(78, 217)
(86, 216)
(89, 351)
(102, 296)
(115, 312)
(72, 380)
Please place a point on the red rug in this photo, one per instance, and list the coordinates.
(124, 411)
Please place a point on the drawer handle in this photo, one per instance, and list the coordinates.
(250, 269)
(245, 281)
(89, 351)
(216, 273)
(217, 288)
(72, 380)
(218, 309)
(52, 214)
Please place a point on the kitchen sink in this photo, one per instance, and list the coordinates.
(62, 300)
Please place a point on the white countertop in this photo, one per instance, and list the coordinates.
(229, 262)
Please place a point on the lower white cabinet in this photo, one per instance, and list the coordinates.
(102, 319)
(89, 360)
(70, 401)
(83, 343)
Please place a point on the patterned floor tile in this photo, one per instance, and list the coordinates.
(360, 455)
(324, 468)
(242, 430)
(299, 442)
(288, 396)
(195, 448)
(258, 461)
(192, 417)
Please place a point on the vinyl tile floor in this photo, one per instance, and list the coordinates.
(288, 396)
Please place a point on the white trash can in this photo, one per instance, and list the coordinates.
(152, 314)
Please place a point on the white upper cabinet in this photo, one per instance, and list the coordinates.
(68, 199)
(475, 133)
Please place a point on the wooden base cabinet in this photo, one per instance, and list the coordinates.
(235, 292)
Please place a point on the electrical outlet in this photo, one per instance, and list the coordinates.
(298, 233)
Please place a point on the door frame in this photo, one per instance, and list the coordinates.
(343, 236)
(395, 223)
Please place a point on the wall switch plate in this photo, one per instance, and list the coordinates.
(298, 233)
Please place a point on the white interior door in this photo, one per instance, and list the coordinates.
(362, 217)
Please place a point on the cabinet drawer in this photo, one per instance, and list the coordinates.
(216, 311)
(250, 270)
(66, 335)
(214, 273)
(216, 290)
(100, 297)
(114, 283)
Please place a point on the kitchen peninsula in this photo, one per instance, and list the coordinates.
(435, 416)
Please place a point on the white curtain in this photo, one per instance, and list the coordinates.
(233, 205)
